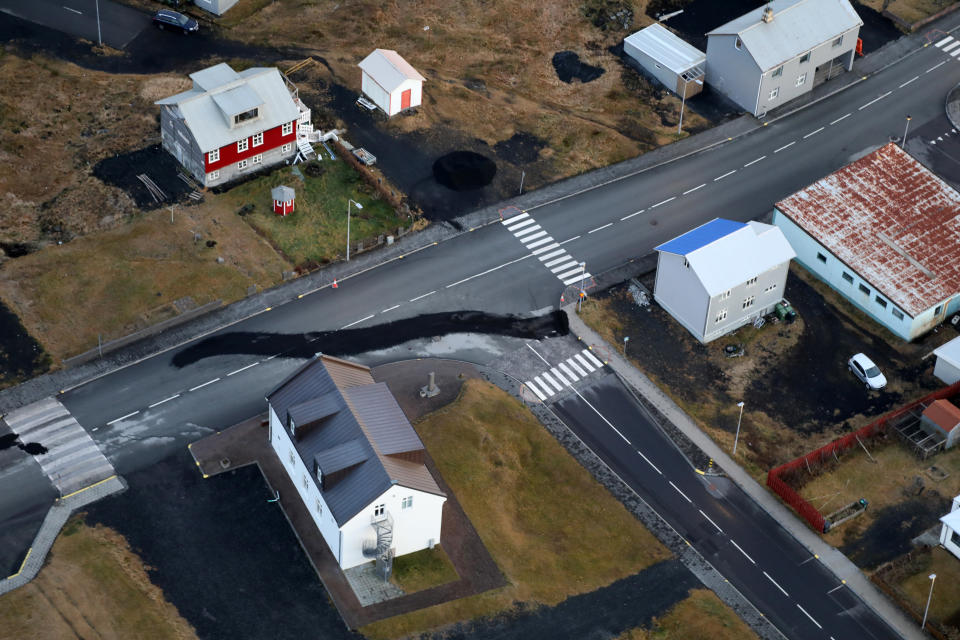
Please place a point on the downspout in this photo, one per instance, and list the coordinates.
(759, 88)
(340, 548)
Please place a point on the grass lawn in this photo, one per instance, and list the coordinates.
(945, 604)
(93, 586)
(422, 570)
(701, 616)
(552, 529)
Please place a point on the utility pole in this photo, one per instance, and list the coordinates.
(99, 39)
(737, 437)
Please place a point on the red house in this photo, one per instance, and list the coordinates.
(282, 200)
(230, 123)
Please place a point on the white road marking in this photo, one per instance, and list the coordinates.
(776, 585)
(813, 133)
(129, 415)
(694, 189)
(939, 64)
(537, 354)
(635, 213)
(396, 306)
(577, 279)
(584, 362)
(559, 376)
(911, 80)
(530, 229)
(663, 202)
(515, 219)
(546, 389)
(572, 272)
(422, 297)
(560, 268)
(728, 173)
(944, 41)
(568, 371)
(533, 236)
(953, 54)
(649, 463)
(742, 551)
(79, 13)
(602, 417)
(786, 146)
(754, 161)
(346, 326)
(539, 242)
(571, 239)
(840, 118)
(839, 586)
(552, 254)
(680, 492)
(201, 386)
(519, 225)
(256, 363)
(592, 358)
(709, 520)
(553, 383)
(537, 391)
(609, 224)
(573, 365)
(564, 258)
(157, 404)
(547, 248)
(809, 616)
(877, 99)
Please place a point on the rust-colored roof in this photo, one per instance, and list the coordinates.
(346, 374)
(944, 414)
(892, 221)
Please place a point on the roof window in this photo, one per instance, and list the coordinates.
(246, 115)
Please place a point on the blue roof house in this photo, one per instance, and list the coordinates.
(722, 275)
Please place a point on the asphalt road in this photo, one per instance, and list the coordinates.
(773, 571)
(118, 24)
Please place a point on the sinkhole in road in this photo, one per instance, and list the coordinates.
(347, 342)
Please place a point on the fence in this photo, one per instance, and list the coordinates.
(778, 478)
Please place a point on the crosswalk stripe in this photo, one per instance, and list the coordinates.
(592, 358)
(543, 385)
(573, 364)
(569, 273)
(560, 264)
(559, 376)
(526, 230)
(539, 242)
(515, 219)
(567, 371)
(546, 376)
(534, 236)
(552, 254)
(519, 225)
(584, 362)
(951, 46)
(577, 279)
(955, 52)
(547, 248)
(536, 391)
(944, 41)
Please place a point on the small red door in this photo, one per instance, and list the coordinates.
(405, 100)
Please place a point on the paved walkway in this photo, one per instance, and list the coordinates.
(833, 559)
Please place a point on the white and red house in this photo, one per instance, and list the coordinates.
(283, 198)
(230, 123)
(390, 82)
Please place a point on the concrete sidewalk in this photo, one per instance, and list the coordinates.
(835, 561)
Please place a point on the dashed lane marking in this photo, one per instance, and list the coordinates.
(813, 133)
(739, 548)
(709, 520)
(680, 492)
(812, 619)
(840, 118)
(422, 297)
(346, 326)
(694, 189)
(256, 363)
(655, 468)
(786, 146)
(663, 202)
(601, 228)
(784, 591)
(936, 66)
(877, 99)
(157, 404)
(635, 213)
(129, 415)
(728, 173)
(754, 161)
(908, 82)
(201, 386)
(396, 306)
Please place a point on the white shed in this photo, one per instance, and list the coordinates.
(947, 368)
(670, 59)
(390, 82)
(216, 7)
(949, 537)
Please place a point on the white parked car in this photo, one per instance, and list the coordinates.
(869, 374)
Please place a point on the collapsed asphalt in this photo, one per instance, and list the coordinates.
(346, 342)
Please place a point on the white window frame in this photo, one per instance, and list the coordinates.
(805, 57)
(838, 42)
(379, 510)
(407, 503)
(293, 460)
(777, 72)
(287, 128)
(213, 156)
(747, 303)
(257, 159)
(801, 79)
(775, 93)
(721, 316)
(243, 145)
(319, 507)
(752, 281)
(213, 175)
(242, 165)
(257, 139)
(770, 288)
(287, 148)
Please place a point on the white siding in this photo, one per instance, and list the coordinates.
(375, 92)
(678, 290)
(946, 371)
(767, 291)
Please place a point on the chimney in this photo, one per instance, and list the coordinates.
(768, 14)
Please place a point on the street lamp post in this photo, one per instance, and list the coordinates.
(736, 438)
(933, 579)
(359, 206)
(523, 174)
(905, 128)
(626, 339)
(583, 272)
(683, 103)
(99, 39)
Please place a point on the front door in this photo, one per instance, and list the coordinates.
(405, 100)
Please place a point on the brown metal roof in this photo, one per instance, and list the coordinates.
(944, 414)
(892, 221)
(346, 374)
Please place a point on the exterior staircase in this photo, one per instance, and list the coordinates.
(381, 548)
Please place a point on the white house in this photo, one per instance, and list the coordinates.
(884, 232)
(722, 275)
(390, 82)
(679, 66)
(216, 7)
(356, 461)
(950, 534)
(947, 368)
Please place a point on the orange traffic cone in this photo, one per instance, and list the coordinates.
(335, 285)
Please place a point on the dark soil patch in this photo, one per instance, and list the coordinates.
(569, 67)
(520, 148)
(21, 356)
(464, 170)
(17, 249)
(353, 341)
(122, 171)
(876, 30)
(893, 528)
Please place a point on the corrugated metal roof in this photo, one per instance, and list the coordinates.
(314, 409)
(411, 475)
(208, 108)
(701, 236)
(949, 352)
(388, 69)
(385, 423)
(944, 414)
(282, 193)
(892, 221)
(342, 456)
(797, 27)
(667, 48)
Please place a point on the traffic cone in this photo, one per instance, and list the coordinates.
(335, 285)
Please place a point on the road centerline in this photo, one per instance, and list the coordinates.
(201, 386)
(786, 146)
(246, 367)
(710, 520)
(157, 404)
(728, 173)
(663, 202)
(813, 133)
(740, 549)
(422, 297)
(346, 326)
(694, 189)
(812, 619)
(776, 584)
(635, 213)
(840, 118)
(680, 492)
(754, 161)
(601, 228)
(877, 99)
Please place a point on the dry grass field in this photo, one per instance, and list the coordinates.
(702, 616)
(909, 10)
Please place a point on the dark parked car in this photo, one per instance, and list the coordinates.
(167, 19)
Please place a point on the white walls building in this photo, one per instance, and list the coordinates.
(947, 368)
(950, 534)
(390, 82)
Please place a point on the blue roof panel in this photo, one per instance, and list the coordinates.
(701, 236)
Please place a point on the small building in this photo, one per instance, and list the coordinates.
(950, 534)
(942, 417)
(282, 200)
(883, 232)
(356, 462)
(781, 50)
(678, 65)
(230, 124)
(722, 275)
(390, 82)
(216, 7)
(947, 368)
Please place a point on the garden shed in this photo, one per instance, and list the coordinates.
(668, 58)
(947, 368)
(283, 198)
(390, 82)
(949, 536)
(942, 417)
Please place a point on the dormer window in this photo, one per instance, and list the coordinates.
(738, 43)
(246, 115)
(319, 474)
